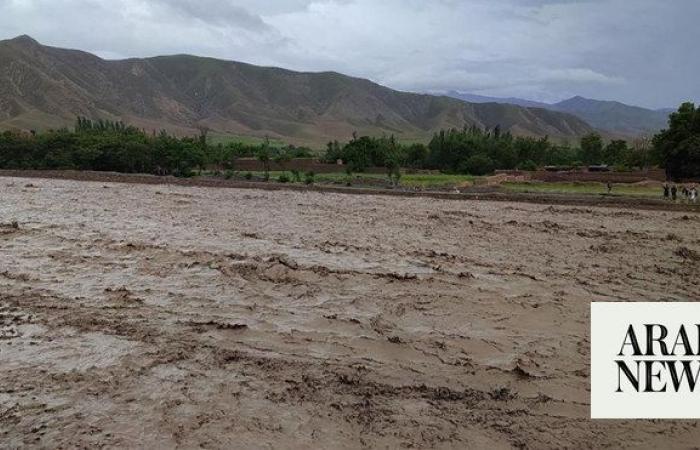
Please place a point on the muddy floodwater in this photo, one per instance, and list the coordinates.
(183, 317)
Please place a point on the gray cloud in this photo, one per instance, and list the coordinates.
(215, 12)
(640, 52)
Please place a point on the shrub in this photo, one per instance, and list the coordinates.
(248, 176)
(478, 165)
(184, 173)
(528, 165)
(284, 178)
(309, 178)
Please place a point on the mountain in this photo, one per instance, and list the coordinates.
(43, 87)
(615, 116)
(474, 98)
(612, 117)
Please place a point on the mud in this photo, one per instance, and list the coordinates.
(162, 316)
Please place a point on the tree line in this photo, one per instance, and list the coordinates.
(114, 146)
(104, 145)
(475, 151)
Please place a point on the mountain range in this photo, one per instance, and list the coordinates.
(45, 87)
(608, 116)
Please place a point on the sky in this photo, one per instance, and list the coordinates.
(641, 52)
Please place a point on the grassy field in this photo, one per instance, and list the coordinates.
(424, 181)
(436, 180)
(444, 181)
(583, 188)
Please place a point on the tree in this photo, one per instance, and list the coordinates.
(361, 152)
(641, 154)
(616, 152)
(416, 156)
(263, 156)
(283, 157)
(592, 149)
(479, 164)
(202, 145)
(678, 147)
(333, 152)
(392, 161)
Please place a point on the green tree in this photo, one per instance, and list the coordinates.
(392, 161)
(264, 155)
(415, 156)
(592, 149)
(678, 147)
(616, 153)
(478, 164)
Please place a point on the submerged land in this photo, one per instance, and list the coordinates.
(183, 316)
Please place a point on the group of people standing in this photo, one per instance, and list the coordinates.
(689, 193)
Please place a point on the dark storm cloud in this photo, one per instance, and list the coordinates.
(640, 51)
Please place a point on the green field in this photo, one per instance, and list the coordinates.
(582, 188)
(424, 181)
(436, 180)
(444, 181)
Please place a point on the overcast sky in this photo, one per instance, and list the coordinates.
(641, 52)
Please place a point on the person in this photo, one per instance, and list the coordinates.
(609, 187)
(667, 191)
(694, 194)
(674, 192)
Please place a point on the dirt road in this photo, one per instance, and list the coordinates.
(167, 316)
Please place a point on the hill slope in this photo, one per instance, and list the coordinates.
(43, 87)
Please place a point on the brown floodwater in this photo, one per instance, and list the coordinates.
(168, 316)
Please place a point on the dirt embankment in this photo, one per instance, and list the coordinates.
(170, 316)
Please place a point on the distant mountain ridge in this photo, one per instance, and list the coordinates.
(615, 116)
(474, 98)
(46, 87)
(610, 116)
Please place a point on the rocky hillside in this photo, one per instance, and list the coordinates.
(45, 87)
